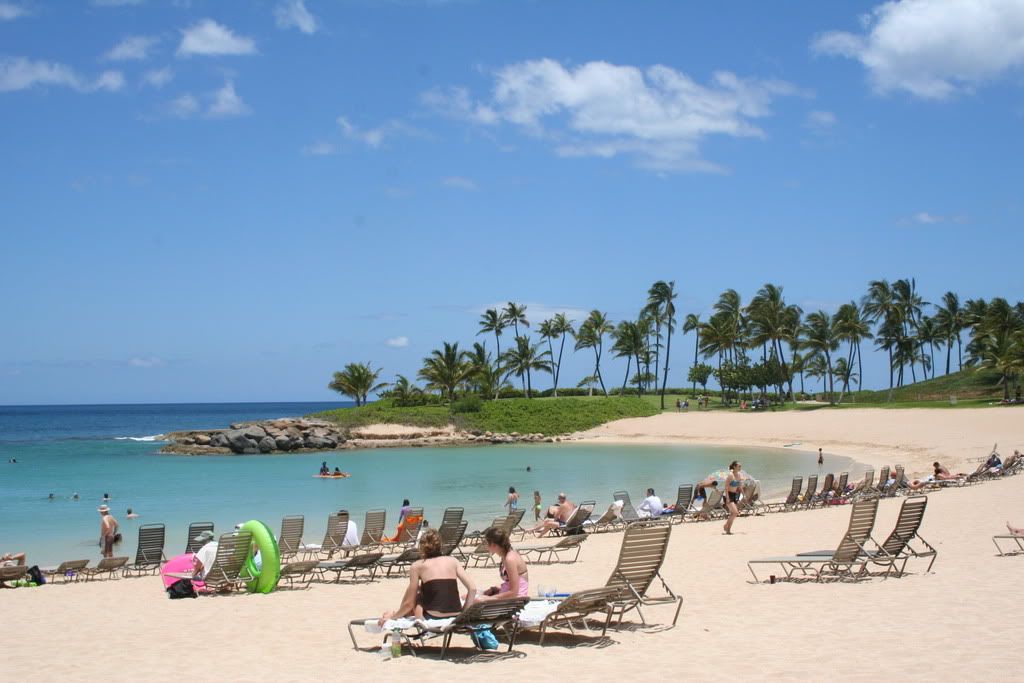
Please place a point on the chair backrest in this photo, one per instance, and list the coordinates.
(194, 529)
(628, 512)
(712, 500)
(901, 479)
(751, 492)
(588, 600)
(151, 545)
(337, 526)
(489, 612)
(907, 524)
(516, 518)
(580, 515)
(794, 491)
(684, 497)
(883, 477)
(451, 536)
(71, 566)
(640, 558)
(232, 551)
(290, 539)
(373, 528)
(827, 485)
(812, 485)
(844, 478)
(452, 516)
(111, 563)
(862, 520)
(411, 524)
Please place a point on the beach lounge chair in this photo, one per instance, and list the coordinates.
(65, 572)
(497, 615)
(334, 537)
(289, 543)
(408, 529)
(228, 570)
(297, 571)
(712, 506)
(107, 568)
(751, 503)
(14, 573)
(899, 485)
(1016, 549)
(791, 500)
(903, 543)
(479, 555)
(844, 479)
(684, 497)
(576, 608)
(827, 487)
(373, 529)
(883, 480)
(640, 559)
(552, 553)
(628, 512)
(580, 516)
(150, 554)
(809, 494)
(451, 536)
(452, 516)
(365, 562)
(194, 529)
(848, 561)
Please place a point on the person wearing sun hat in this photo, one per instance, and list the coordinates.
(108, 531)
(205, 556)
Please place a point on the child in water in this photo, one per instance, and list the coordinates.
(536, 505)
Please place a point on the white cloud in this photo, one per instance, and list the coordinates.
(116, 3)
(926, 218)
(536, 313)
(184, 106)
(19, 73)
(158, 78)
(657, 115)
(227, 103)
(150, 362)
(293, 13)
(207, 37)
(320, 149)
(132, 47)
(459, 182)
(397, 342)
(821, 120)
(374, 137)
(933, 48)
(10, 11)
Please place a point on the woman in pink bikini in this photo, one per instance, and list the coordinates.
(511, 568)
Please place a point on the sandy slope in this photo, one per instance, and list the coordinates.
(914, 437)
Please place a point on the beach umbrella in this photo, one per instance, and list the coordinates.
(722, 474)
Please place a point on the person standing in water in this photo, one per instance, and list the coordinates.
(536, 506)
(733, 485)
(512, 502)
(821, 458)
(108, 531)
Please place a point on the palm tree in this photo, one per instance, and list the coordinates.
(819, 337)
(526, 358)
(816, 367)
(357, 380)
(445, 369)
(1003, 351)
(493, 321)
(560, 327)
(772, 320)
(852, 327)
(629, 343)
(928, 332)
(910, 304)
(879, 306)
(590, 335)
(692, 324)
(661, 297)
(796, 366)
(516, 314)
(403, 392)
(950, 321)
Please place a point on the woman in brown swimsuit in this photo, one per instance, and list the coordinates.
(433, 590)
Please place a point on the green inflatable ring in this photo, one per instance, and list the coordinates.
(267, 577)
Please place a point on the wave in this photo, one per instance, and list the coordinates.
(154, 437)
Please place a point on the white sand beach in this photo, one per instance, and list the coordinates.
(960, 621)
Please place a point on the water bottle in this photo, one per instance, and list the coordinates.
(396, 643)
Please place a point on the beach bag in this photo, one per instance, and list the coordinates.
(182, 588)
(36, 576)
(484, 638)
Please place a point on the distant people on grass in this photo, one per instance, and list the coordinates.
(108, 531)
(511, 568)
(512, 501)
(651, 506)
(433, 589)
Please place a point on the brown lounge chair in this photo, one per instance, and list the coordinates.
(684, 497)
(106, 568)
(13, 573)
(640, 560)
(550, 553)
(228, 570)
(578, 606)
(289, 543)
(65, 572)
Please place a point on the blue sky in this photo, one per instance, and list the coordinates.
(229, 201)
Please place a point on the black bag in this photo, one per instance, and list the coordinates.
(182, 588)
(36, 576)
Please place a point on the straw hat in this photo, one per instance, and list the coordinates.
(103, 508)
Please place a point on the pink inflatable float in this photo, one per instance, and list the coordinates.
(177, 565)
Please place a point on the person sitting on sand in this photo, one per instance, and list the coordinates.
(651, 506)
(511, 568)
(130, 514)
(433, 590)
(557, 516)
(12, 560)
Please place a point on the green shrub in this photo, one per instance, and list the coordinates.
(470, 403)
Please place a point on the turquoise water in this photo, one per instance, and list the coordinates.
(176, 490)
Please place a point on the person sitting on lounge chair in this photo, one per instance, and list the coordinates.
(511, 568)
(651, 506)
(433, 590)
(12, 560)
(557, 516)
(203, 559)
(992, 465)
(942, 474)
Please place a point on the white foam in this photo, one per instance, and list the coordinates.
(154, 437)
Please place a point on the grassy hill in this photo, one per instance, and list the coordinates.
(966, 384)
(548, 416)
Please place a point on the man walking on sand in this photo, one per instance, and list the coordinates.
(108, 531)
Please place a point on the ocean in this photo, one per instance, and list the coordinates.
(110, 449)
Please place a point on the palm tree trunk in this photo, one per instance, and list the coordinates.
(629, 364)
(597, 369)
(949, 352)
(551, 353)
(831, 384)
(529, 385)
(860, 368)
(696, 348)
(668, 354)
(497, 341)
(558, 368)
(959, 353)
